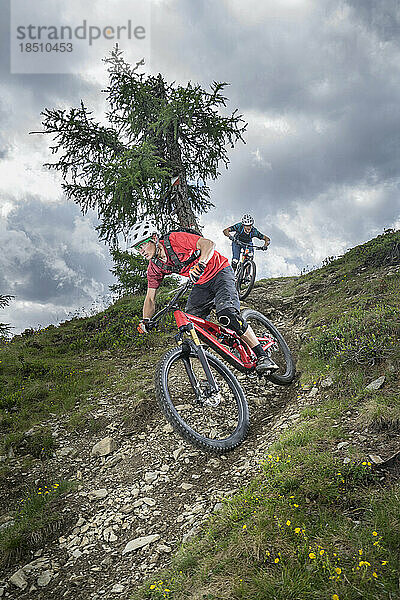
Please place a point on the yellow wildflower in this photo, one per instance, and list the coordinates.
(276, 560)
(338, 570)
(374, 574)
(335, 597)
(297, 530)
(288, 523)
(312, 555)
(374, 533)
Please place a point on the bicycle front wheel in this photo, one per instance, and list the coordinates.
(214, 423)
(266, 331)
(246, 279)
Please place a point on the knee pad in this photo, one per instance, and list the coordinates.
(230, 317)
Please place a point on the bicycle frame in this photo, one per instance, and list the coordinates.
(246, 253)
(214, 335)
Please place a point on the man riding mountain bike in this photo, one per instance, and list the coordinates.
(191, 255)
(244, 232)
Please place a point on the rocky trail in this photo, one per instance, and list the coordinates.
(142, 490)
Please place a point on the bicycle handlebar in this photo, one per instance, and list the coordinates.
(180, 291)
(247, 244)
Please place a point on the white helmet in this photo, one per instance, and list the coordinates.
(247, 220)
(142, 231)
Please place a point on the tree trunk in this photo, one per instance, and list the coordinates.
(179, 195)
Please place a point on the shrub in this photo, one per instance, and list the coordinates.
(359, 337)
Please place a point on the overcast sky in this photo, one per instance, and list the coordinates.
(318, 83)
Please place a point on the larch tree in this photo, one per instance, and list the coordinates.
(159, 146)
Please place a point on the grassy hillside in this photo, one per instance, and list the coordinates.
(59, 371)
(322, 519)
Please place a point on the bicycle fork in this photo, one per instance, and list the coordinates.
(209, 396)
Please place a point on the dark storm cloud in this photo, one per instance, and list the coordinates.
(27, 95)
(52, 255)
(382, 19)
(322, 98)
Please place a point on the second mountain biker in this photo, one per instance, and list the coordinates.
(194, 256)
(244, 232)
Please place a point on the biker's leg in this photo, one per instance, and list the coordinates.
(235, 255)
(200, 300)
(227, 303)
(227, 306)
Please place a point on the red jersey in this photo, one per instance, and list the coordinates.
(184, 244)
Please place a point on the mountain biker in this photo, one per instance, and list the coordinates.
(208, 270)
(244, 232)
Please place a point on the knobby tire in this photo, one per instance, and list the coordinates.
(249, 265)
(258, 322)
(167, 397)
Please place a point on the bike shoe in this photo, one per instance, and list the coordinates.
(265, 365)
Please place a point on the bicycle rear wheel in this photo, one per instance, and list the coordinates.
(266, 331)
(246, 279)
(212, 423)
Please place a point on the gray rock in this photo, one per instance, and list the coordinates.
(44, 579)
(376, 459)
(127, 509)
(150, 477)
(103, 447)
(66, 451)
(164, 548)
(176, 453)
(98, 494)
(376, 384)
(140, 542)
(313, 392)
(186, 486)
(39, 563)
(327, 383)
(190, 534)
(149, 501)
(109, 535)
(19, 579)
(342, 445)
(118, 588)
(114, 461)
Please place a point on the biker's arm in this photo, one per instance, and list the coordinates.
(206, 248)
(267, 241)
(227, 231)
(149, 305)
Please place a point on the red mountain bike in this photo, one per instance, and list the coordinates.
(198, 394)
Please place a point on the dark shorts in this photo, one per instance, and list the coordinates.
(221, 290)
